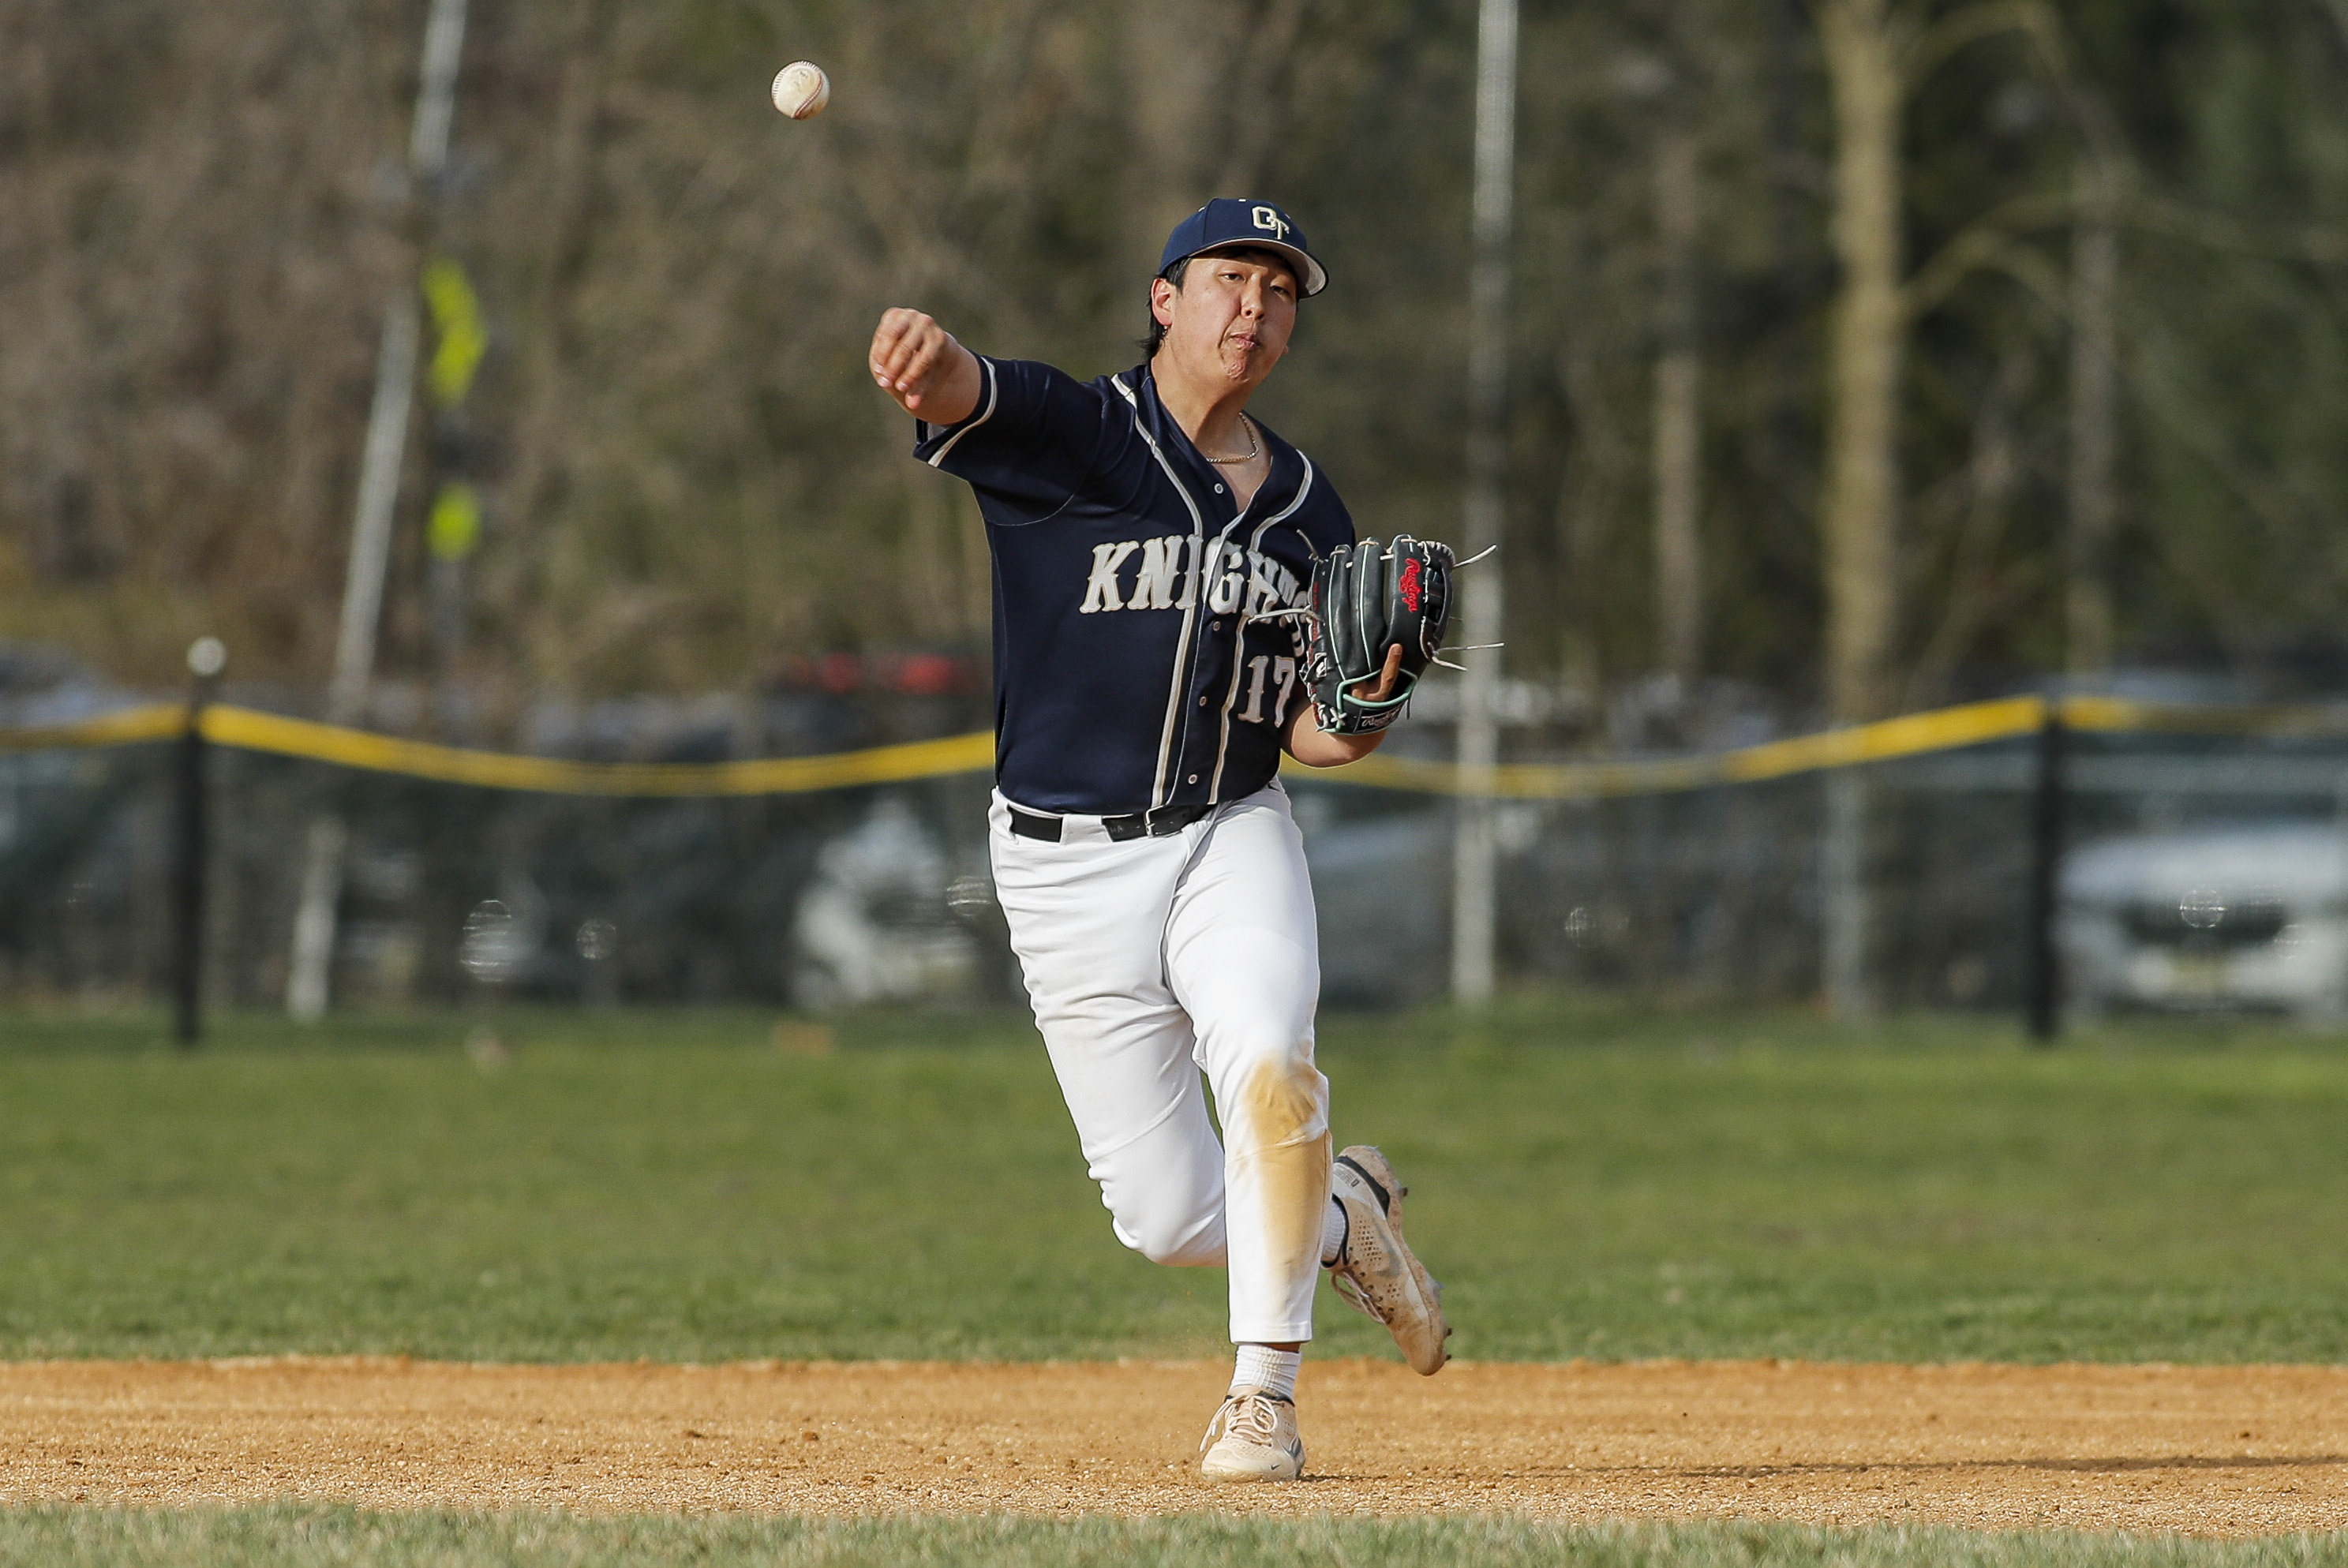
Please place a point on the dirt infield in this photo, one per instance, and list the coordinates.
(2216, 1450)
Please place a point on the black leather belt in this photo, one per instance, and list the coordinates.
(1158, 823)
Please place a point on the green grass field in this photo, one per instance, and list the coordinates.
(1588, 1181)
(308, 1537)
(1591, 1180)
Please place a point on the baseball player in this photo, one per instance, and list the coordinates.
(1153, 548)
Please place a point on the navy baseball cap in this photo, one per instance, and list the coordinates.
(1229, 222)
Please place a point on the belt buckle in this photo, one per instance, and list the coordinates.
(1166, 821)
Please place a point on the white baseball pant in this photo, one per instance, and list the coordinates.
(1154, 959)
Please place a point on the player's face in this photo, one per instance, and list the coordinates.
(1231, 318)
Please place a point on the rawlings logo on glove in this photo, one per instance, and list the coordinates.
(1367, 598)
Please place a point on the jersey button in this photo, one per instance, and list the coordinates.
(1219, 489)
(1194, 778)
(1202, 702)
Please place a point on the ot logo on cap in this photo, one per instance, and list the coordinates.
(1269, 218)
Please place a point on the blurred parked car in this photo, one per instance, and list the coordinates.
(1381, 889)
(2252, 915)
(876, 923)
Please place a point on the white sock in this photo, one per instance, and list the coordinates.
(1333, 1234)
(1262, 1366)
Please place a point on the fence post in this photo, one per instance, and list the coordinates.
(1846, 974)
(206, 657)
(2045, 970)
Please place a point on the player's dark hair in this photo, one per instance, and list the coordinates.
(1174, 275)
(1180, 270)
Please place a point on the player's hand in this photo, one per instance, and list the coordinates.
(1309, 744)
(1388, 678)
(919, 363)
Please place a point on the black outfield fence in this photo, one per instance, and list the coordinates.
(2040, 857)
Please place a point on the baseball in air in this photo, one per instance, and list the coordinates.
(801, 89)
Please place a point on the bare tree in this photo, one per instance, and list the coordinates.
(1979, 500)
(2093, 421)
(1601, 465)
(1865, 43)
(1876, 50)
(1678, 428)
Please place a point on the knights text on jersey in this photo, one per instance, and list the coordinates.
(1138, 660)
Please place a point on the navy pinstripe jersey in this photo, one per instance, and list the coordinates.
(1134, 666)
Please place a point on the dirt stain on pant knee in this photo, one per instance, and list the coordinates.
(1288, 1113)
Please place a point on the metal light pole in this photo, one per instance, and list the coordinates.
(207, 657)
(387, 449)
(1474, 852)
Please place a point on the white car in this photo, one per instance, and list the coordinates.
(876, 922)
(2253, 916)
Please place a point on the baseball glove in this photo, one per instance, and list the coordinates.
(1366, 599)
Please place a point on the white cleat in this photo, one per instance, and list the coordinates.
(1254, 1437)
(1378, 1274)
